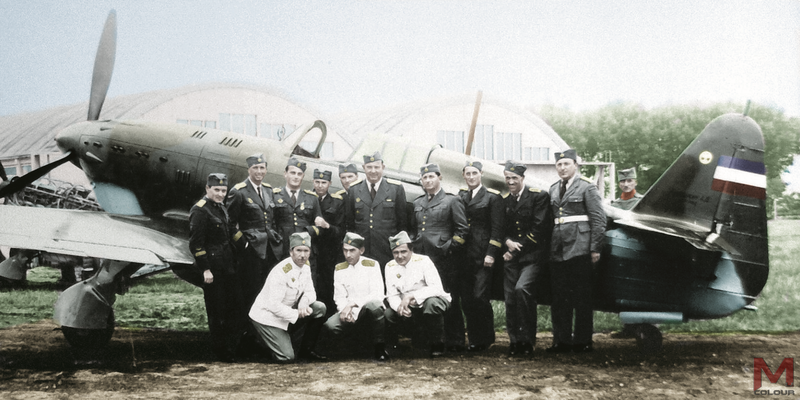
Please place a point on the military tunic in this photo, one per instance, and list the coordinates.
(528, 221)
(210, 242)
(255, 218)
(627, 204)
(418, 278)
(296, 218)
(288, 288)
(578, 231)
(361, 285)
(376, 219)
(441, 226)
(485, 215)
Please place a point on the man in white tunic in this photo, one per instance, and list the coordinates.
(414, 292)
(287, 302)
(358, 294)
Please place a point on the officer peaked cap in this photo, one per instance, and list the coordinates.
(629, 173)
(300, 239)
(256, 159)
(353, 239)
(569, 153)
(293, 162)
(344, 168)
(217, 179)
(400, 239)
(324, 175)
(373, 157)
(474, 164)
(515, 167)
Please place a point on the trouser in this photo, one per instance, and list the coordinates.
(477, 307)
(430, 315)
(279, 341)
(452, 282)
(519, 289)
(252, 274)
(572, 292)
(225, 321)
(371, 315)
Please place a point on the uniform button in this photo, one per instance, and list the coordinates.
(423, 229)
(295, 224)
(560, 209)
(370, 214)
(517, 222)
(423, 222)
(370, 227)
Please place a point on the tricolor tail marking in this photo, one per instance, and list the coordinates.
(740, 177)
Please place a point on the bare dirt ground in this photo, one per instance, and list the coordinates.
(37, 363)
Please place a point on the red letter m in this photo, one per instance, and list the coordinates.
(760, 365)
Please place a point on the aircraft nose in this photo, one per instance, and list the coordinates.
(69, 138)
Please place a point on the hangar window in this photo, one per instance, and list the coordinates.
(276, 131)
(10, 171)
(537, 154)
(451, 140)
(238, 123)
(507, 146)
(483, 144)
(197, 122)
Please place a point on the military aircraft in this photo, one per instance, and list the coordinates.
(695, 247)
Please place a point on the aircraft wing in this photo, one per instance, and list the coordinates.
(89, 234)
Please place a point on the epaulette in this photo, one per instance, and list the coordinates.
(463, 189)
(341, 192)
(368, 263)
(336, 196)
(201, 203)
(495, 191)
(342, 265)
(311, 192)
(240, 185)
(416, 258)
(356, 182)
(391, 263)
(556, 183)
(506, 194)
(276, 190)
(266, 184)
(535, 190)
(394, 181)
(287, 268)
(586, 179)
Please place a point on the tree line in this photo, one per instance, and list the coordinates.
(631, 135)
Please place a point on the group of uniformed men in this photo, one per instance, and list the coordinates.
(287, 258)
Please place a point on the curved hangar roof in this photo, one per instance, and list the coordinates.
(34, 132)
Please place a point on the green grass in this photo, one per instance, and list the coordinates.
(164, 301)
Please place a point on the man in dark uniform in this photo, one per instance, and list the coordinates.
(528, 224)
(211, 245)
(297, 210)
(441, 228)
(485, 212)
(376, 209)
(250, 206)
(577, 240)
(329, 243)
(627, 184)
(348, 174)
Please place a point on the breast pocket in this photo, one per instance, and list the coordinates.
(388, 210)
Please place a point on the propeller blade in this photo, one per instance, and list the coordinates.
(3, 175)
(17, 184)
(103, 66)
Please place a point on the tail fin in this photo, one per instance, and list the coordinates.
(719, 185)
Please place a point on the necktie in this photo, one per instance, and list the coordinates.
(563, 189)
(372, 191)
(258, 189)
(469, 196)
(294, 197)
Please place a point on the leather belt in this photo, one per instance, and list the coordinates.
(571, 218)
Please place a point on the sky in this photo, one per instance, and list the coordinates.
(345, 56)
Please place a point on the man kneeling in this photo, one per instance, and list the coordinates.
(358, 294)
(414, 292)
(288, 297)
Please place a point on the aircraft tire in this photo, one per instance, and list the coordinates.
(89, 338)
(648, 338)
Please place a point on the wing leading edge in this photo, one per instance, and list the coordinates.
(89, 234)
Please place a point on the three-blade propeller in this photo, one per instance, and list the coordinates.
(101, 79)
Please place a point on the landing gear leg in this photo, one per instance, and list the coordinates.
(648, 338)
(84, 310)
